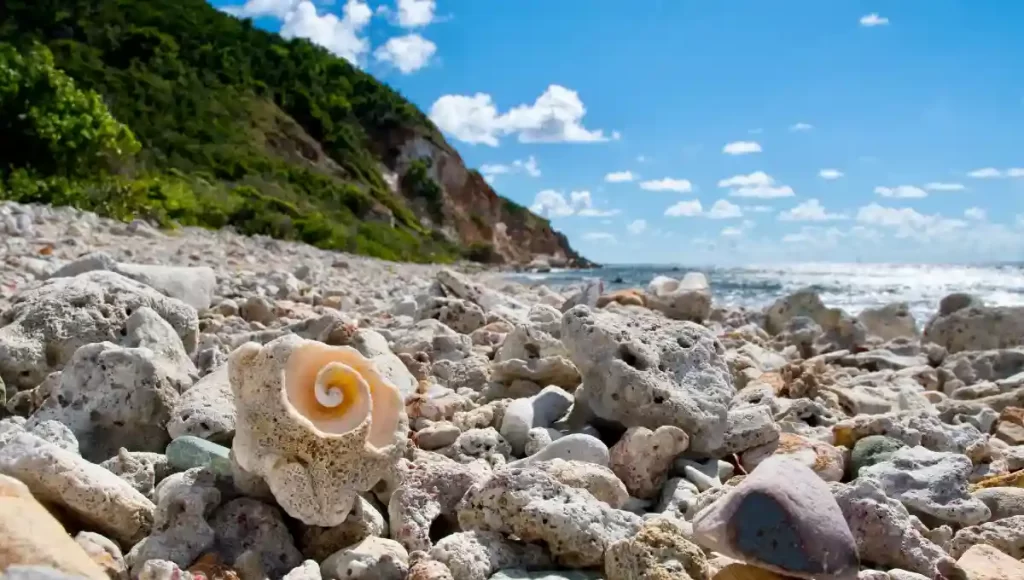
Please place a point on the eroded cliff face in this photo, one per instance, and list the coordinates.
(471, 212)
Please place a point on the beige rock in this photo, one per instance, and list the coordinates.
(745, 572)
(30, 536)
(983, 562)
(658, 551)
(643, 457)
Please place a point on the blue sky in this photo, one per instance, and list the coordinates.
(732, 131)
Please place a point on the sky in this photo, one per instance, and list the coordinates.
(718, 132)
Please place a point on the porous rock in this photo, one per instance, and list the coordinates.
(540, 410)
(977, 328)
(362, 522)
(371, 559)
(477, 555)
(245, 524)
(660, 550)
(599, 480)
(983, 562)
(642, 458)
(207, 410)
(1006, 535)
(535, 507)
(641, 371)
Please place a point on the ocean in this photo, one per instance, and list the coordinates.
(852, 287)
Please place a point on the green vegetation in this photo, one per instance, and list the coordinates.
(419, 185)
(181, 114)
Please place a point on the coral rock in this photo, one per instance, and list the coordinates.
(477, 555)
(660, 550)
(642, 458)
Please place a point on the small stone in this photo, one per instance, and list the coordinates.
(187, 452)
(575, 447)
(1006, 534)
(477, 555)
(642, 458)
(245, 525)
(370, 559)
(362, 522)
(871, 450)
(437, 435)
(1003, 501)
(983, 562)
(660, 550)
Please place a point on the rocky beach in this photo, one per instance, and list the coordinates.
(193, 403)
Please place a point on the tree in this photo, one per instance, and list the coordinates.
(49, 126)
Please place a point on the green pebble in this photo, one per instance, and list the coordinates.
(187, 452)
(871, 450)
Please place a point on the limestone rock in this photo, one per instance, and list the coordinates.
(91, 493)
(599, 480)
(477, 555)
(462, 316)
(484, 444)
(375, 347)
(207, 410)
(575, 447)
(437, 435)
(642, 458)
(889, 321)
(181, 529)
(977, 328)
(47, 324)
(884, 532)
(643, 371)
(491, 301)
(871, 450)
(824, 459)
(747, 428)
(783, 517)
(520, 574)
(246, 524)
(104, 552)
(362, 522)
(552, 370)
(660, 550)
(931, 483)
(540, 410)
(30, 536)
(1004, 502)
(314, 476)
(308, 570)
(370, 559)
(1006, 535)
(535, 507)
(983, 562)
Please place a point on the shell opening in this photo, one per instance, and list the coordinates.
(333, 382)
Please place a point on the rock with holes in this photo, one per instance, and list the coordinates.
(181, 530)
(207, 410)
(491, 301)
(889, 322)
(662, 549)
(599, 480)
(427, 492)
(685, 299)
(977, 328)
(884, 531)
(1006, 534)
(1004, 502)
(47, 324)
(484, 444)
(646, 371)
(930, 482)
(642, 458)
(245, 524)
(782, 517)
(363, 521)
(477, 555)
(575, 447)
(535, 507)
(824, 459)
(462, 316)
(983, 562)
(370, 559)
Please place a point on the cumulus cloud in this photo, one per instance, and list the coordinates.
(603, 237)
(741, 147)
(993, 173)
(407, 53)
(975, 213)
(873, 19)
(258, 8)
(901, 191)
(690, 208)
(756, 185)
(555, 117)
(908, 222)
(809, 211)
(724, 209)
(758, 208)
(416, 13)
(801, 127)
(668, 184)
(529, 166)
(342, 36)
(637, 227)
(619, 176)
(554, 204)
(830, 174)
(939, 186)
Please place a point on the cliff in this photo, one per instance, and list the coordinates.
(239, 127)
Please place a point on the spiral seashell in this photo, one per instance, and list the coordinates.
(337, 389)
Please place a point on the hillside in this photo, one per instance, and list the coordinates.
(237, 126)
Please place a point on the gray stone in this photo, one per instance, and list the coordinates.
(642, 458)
(1004, 502)
(462, 316)
(371, 559)
(889, 321)
(685, 299)
(363, 521)
(977, 328)
(189, 452)
(575, 447)
(476, 555)
(1006, 535)
(540, 410)
(643, 371)
(207, 410)
(246, 524)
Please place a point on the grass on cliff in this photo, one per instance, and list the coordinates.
(220, 124)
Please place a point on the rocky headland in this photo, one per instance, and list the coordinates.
(195, 403)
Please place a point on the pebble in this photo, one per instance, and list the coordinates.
(187, 452)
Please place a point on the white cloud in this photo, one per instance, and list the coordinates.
(757, 185)
(600, 237)
(757, 208)
(491, 170)
(975, 213)
(724, 209)
(555, 117)
(619, 176)
(529, 166)
(338, 35)
(809, 211)
(901, 191)
(907, 222)
(873, 19)
(553, 204)
(685, 209)
(668, 184)
(741, 147)
(830, 174)
(415, 13)
(732, 232)
(985, 173)
(637, 227)
(801, 127)
(939, 186)
(256, 8)
(407, 53)
(993, 173)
